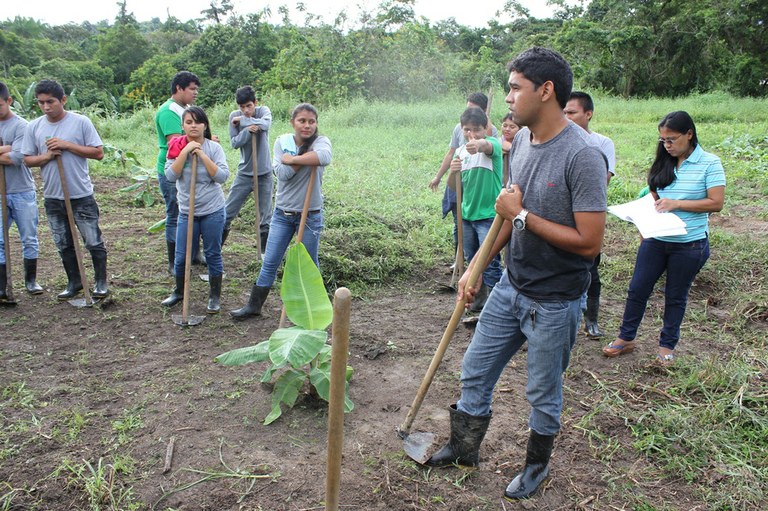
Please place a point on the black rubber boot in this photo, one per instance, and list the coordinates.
(224, 236)
(480, 298)
(171, 246)
(463, 447)
(536, 467)
(30, 277)
(214, 296)
(264, 236)
(101, 286)
(254, 305)
(3, 283)
(177, 295)
(74, 284)
(590, 318)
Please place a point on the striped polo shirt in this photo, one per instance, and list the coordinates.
(698, 173)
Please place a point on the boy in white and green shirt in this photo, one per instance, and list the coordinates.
(479, 161)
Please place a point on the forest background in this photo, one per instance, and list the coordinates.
(630, 48)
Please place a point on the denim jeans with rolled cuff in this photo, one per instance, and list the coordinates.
(508, 320)
(22, 210)
(474, 233)
(284, 225)
(682, 262)
(86, 214)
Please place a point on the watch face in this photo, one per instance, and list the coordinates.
(518, 223)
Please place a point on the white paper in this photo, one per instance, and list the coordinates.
(651, 224)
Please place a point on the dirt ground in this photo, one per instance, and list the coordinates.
(128, 358)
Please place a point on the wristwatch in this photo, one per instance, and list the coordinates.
(519, 221)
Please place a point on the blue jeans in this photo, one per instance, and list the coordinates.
(508, 320)
(681, 261)
(210, 227)
(240, 191)
(168, 190)
(474, 233)
(86, 213)
(22, 210)
(281, 231)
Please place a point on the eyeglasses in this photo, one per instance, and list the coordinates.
(669, 140)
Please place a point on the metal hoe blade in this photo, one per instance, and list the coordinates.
(416, 445)
(81, 303)
(191, 320)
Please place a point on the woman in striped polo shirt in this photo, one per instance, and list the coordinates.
(690, 183)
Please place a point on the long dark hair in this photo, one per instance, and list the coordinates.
(198, 115)
(305, 107)
(662, 172)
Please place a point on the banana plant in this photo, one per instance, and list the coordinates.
(298, 354)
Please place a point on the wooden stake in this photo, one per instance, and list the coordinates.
(341, 310)
(254, 160)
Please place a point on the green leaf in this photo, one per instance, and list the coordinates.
(303, 293)
(157, 227)
(242, 356)
(130, 188)
(295, 345)
(286, 391)
(147, 198)
(320, 377)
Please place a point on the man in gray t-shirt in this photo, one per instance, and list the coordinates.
(553, 221)
(21, 200)
(580, 109)
(71, 139)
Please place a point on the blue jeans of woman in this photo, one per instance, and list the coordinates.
(210, 227)
(681, 261)
(22, 210)
(281, 230)
(508, 320)
(86, 213)
(474, 233)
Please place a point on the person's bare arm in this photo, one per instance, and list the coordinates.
(711, 204)
(90, 152)
(586, 239)
(442, 170)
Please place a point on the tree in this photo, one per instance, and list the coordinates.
(123, 49)
(217, 11)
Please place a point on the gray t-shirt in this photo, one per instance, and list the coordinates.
(73, 128)
(241, 139)
(18, 178)
(292, 185)
(209, 197)
(606, 147)
(558, 178)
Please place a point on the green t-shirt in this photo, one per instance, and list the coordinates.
(481, 180)
(167, 122)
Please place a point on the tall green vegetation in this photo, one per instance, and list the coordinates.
(627, 47)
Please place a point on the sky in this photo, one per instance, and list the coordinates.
(475, 13)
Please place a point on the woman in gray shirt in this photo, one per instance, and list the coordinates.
(295, 156)
(209, 213)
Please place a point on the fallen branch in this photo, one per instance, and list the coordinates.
(169, 455)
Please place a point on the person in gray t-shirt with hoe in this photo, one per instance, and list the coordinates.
(20, 195)
(73, 138)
